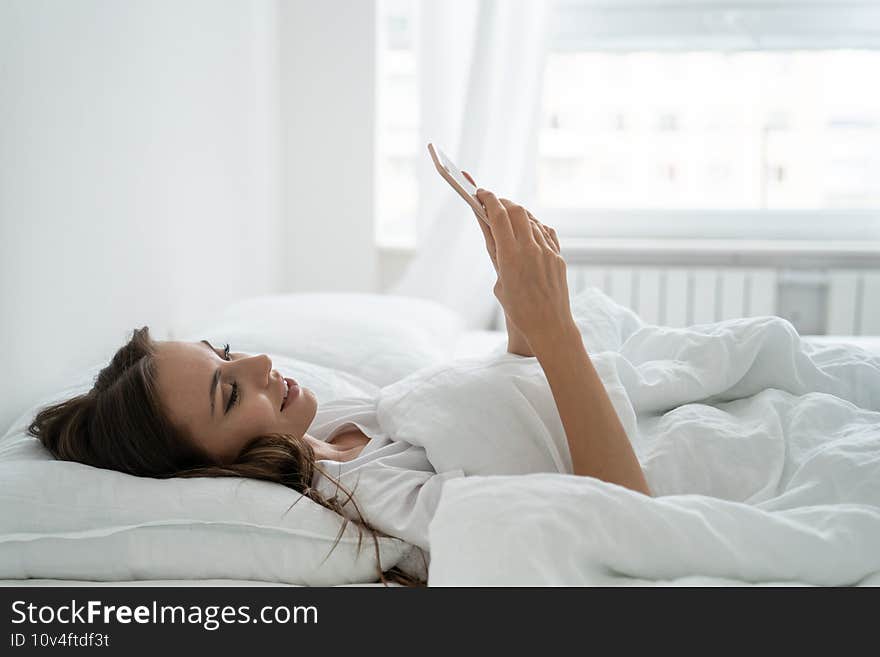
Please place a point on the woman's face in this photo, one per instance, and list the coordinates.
(224, 404)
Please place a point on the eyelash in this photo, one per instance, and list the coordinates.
(233, 398)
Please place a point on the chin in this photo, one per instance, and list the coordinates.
(306, 396)
(309, 397)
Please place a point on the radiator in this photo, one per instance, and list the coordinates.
(854, 303)
(820, 288)
(680, 297)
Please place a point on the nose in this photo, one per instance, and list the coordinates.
(259, 366)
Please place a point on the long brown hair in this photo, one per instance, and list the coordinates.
(121, 425)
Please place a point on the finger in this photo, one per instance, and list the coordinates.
(548, 240)
(555, 238)
(490, 241)
(519, 220)
(549, 232)
(539, 225)
(499, 222)
(539, 236)
(484, 227)
(548, 237)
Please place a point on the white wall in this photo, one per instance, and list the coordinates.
(328, 54)
(138, 177)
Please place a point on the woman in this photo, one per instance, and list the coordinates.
(165, 409)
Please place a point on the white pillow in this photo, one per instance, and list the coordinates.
(380, 338)
(65, 520)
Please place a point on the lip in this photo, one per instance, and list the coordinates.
(293, 394)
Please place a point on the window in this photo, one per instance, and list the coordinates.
(709, 118)
(710, 130)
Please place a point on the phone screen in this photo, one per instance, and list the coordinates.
(455, 172)
(453, 175)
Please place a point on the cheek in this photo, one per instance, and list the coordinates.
(299, 413)
(305, 408)
(257, 418)
(268, 415)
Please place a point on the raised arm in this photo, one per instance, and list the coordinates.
(516, 341)
(532, 287)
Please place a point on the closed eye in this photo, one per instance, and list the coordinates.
(235, 395)
(233, 398)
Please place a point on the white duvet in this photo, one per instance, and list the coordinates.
(763, 453)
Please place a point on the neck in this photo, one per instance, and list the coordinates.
(328, 450)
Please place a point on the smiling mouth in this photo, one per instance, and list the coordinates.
(291, 391)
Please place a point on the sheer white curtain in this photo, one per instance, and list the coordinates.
(480, 72)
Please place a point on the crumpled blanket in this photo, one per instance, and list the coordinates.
(762, 451)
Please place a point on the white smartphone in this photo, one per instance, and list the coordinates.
(453, 175)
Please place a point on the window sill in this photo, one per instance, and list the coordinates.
(800, 254)
(756, 225)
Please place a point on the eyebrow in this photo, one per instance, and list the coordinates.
(215, 379)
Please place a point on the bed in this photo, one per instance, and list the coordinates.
(403, 339)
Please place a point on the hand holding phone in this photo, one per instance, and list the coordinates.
(453, 175)
(501, 210)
